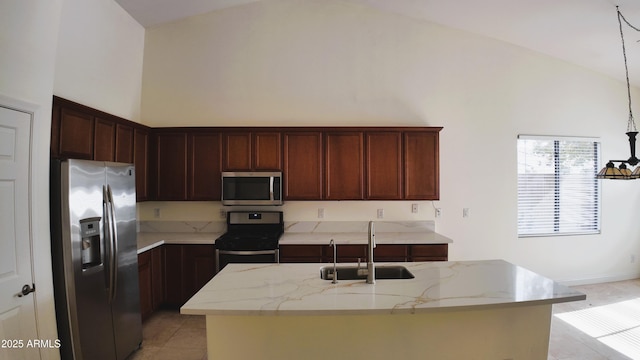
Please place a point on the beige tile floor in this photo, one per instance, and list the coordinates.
(169, 335)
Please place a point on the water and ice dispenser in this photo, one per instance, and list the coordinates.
(90, 243)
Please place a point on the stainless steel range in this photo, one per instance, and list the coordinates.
(251, 237)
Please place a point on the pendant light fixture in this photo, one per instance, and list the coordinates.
(610, 171)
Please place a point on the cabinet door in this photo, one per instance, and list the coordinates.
(173, 288)
(199, 268)
(55, 130)
(346, 253)
(344, 166)
(144, 277)
(429, 252)
(267, 151)
(421, 172)
(301, 253)
(384, 165)
(104, 140)
(237, 151)
(204, 166)
(76, 134)
(157, 277)
(171, 160)
(140, 159)
(390, 252)
(303, 163)
(124, 144)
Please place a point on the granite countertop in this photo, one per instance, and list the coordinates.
(296, 289)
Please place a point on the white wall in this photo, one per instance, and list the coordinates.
(26, 76)
(99, 58)
(330, 63)
(92, 51)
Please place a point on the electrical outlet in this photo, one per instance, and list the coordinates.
(320, 213)
(415, 208)
(156, 213)
(438, 212)
(380, 213)
(465, 212)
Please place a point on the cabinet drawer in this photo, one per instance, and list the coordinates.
(300, 253)
(391, 253)
(431, 250)
(346, 253)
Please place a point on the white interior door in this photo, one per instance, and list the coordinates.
(17, 314)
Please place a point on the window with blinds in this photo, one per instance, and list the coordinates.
(558, 193)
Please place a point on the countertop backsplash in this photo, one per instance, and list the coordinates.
(182, 226)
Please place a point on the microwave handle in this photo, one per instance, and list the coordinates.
(271, 188)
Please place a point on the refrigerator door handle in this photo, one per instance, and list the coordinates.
(108, 234)
(114, 244)
(108, 244)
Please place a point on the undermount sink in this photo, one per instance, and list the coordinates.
(351, 273)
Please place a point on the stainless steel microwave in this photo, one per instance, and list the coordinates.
(252, 188)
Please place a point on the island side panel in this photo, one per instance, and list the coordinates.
(516, 332)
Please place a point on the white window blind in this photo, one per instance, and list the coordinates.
(558, 193)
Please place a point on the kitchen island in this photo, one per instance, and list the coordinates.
(450, 310)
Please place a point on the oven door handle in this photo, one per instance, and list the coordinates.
(247, 252)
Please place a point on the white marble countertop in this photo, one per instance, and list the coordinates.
(150, 240)
(296, 289)
(154, 234)
(346, 238)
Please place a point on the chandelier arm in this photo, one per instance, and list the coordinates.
(627, 22)
(631, 124)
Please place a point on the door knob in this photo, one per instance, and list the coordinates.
(26, 290)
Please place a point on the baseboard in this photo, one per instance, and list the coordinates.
(600, 280)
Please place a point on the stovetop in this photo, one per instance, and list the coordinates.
(251, 231)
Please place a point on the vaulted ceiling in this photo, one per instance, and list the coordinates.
(583, 32)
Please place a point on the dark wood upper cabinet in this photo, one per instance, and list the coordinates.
(344, 176)
(384, 165)
(124, 144)
(80, 132)
(237, 154)
(141, 161)
(323, 163)
(104, 140)
(303, 166)
(421, 171)
(187, 164)
(248, 150)
(205, 154)
(76, 134)
(171, 160)
(267, 151)
(55, 130)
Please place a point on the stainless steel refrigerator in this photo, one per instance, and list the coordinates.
(95, 263)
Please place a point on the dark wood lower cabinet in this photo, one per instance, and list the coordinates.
(187, 269)
(151, 276)
(172, 273)
(351, 253)
(301, 253)
(430, 252)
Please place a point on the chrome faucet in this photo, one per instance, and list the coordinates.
(335, 270)
(371, 267)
